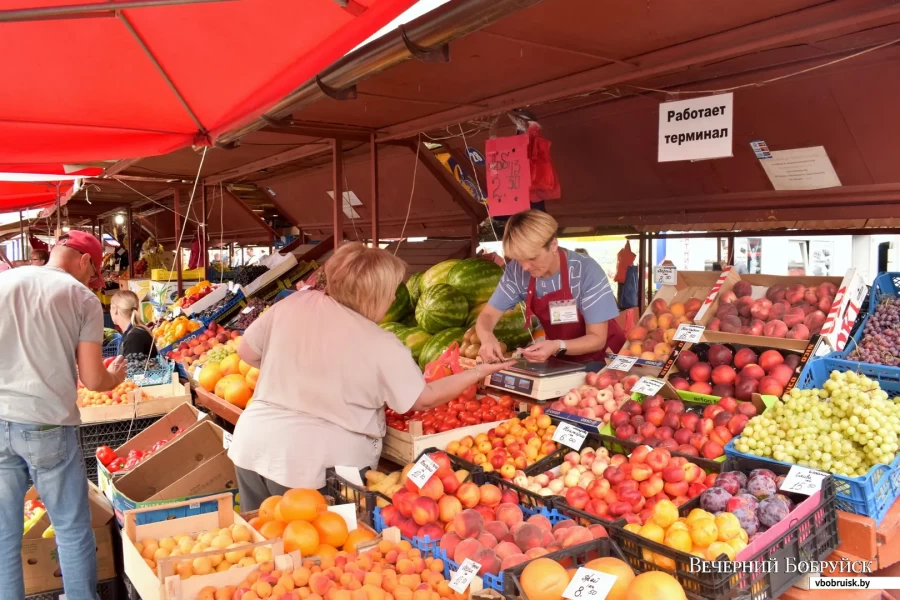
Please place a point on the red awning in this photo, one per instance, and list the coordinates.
(20, 196)
(151, 80)
(34, 185)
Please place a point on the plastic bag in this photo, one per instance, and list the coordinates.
(446, 364)
(624, 259)
(544, 180)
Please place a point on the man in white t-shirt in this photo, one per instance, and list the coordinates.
(52, 329)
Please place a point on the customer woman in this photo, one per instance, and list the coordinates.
(125, 311)
(39, 258)
(568, 293)
(327, 372)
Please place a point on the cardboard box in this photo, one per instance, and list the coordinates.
(40, 558)
(196, 464)
(183, 417)
(143, 402)
(166, 584)
(838, 312)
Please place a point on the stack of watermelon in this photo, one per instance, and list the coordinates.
(434, 309)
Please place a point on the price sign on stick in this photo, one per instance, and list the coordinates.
(664, 275)
(648, 386)
(422, 471)
(689, 333)
(569, 435)
(622, 363)
(804, 481)
(464, 576)
(589, 584)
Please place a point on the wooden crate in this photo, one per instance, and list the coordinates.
(403, 447)
(165, 398)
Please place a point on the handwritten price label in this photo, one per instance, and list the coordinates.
(247, 310)
(665, 275)
(422, 472)
(804, 481)
(622, 363)
(569, 435)
(648, 386)
(589, 584)
(463, 578)
(226, 440)
(689, 333)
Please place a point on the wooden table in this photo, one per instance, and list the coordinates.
(223, 410)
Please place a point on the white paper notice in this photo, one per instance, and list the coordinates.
(464, 576)
(622, 363)
(801, 169)
(226, 440)
(804, 481)
(593, 585)
(665, 275)
(569, 435)
(347, 512)
(696, 129)
(422, 472)
(689, 333)
(351, 474)
(648, 386)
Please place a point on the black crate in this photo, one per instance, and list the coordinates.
(112, 434)
(812, 538)
(346, 492)
(110, 589)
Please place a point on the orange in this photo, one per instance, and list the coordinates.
(257, 522)
(332, 529)
(357, 537)
(273, 529)
(618, 569)
(544, 579)
(231, 365)
(210, 375)
(301, 504)
(268, 506)
(300, 535)
(654, 585)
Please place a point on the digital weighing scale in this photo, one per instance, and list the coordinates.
(540, 381)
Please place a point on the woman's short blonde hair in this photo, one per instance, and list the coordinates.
(364, 279)
(527, 233)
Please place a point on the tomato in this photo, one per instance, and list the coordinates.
(451, 414)
(454, 423)
(470, 420)
(469, 392)
(131, 463)
(445, 426)
(105, 455)
(116, 465)
(429, 431)
(489, 401)
(428, 420)
(505, 401)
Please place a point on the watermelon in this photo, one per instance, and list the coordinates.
(510, 328)
(438, 343)
(476, 278)
(440, 307)
(412, 284)
(437, 274)
(415, 339)
(394, 328)
(410, 321)
(400, 307)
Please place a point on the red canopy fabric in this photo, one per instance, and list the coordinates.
(37, 188)
(79, 90)
(20, 196)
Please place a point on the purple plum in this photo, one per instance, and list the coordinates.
(728, 481)
(772, 511)
(748, 520)
(744, 500)
(763, 472)
(742, 479)
(761, 486)
(715, 499)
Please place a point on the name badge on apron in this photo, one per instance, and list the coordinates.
(563, 311)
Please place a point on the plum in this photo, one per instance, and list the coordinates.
(745, 501)
(764, 472)
(715, 499)
(761, 487)
(772, 511)
(742, 479)
(729, 482)
(748, 520)
(786, 500)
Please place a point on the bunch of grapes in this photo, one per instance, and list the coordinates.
(880, 343)
(846, 427)
(210, 312)
(218, 353)
(247, 274)
(255, 307)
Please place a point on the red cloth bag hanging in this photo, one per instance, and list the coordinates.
(544, 180)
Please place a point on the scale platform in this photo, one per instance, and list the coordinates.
(540, 381)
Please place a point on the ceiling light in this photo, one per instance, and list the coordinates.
(119, 219)
(65, 230)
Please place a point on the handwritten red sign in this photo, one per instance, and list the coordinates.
(508, 174)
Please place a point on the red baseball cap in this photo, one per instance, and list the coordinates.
(86, 244)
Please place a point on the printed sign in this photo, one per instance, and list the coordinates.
(801, 169)
(804, 481)
(665, 275)
(696, 129)
(475, 156)
(422, 472)
(464, 576)
(622, 363)
(689, 333)
(569, 435)
(648, 386)
(761, 149)
(589, 584)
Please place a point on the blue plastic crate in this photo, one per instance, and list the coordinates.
(238, 299)
(886, 285)
(112, 348)
(158, 372)
(818, 370)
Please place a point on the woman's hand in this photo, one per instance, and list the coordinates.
(486, 369)
(491, 352)
(540, 351)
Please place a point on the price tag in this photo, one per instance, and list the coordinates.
(463, 578)
(622, 363)
(665, 275)
(351, 474)
(804, 481)
(347, 512)
(648, 386)
(593, 585)
(422, 472)
(226, 440)
(689, 333)
(247, 310)
(194, 505)
(569, 435)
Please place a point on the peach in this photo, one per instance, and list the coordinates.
(450, 483)
(658, 459)
(489, 561)
(541, 522)
(712, 450)
(487, 540)
(431, 530)
(824, 304)
(723, 374)
(468, 494)
(425, 510)
(408, 528)
(794, 316)
(776, 328)
(744, 306)
(577, 535)
(636, 333)
(538, 552)
(648, 322)
(505, 549)
(512, 560)
(760, 309)
(795, 293)
(701, 372)
(390, 514)
(771, 386)
(468, 524)
(466, 549)
(814, 321)
(730, 324)
(659, 306)
(490, 494)
(497, 529)
(449, 542)
(528, 536)
(403, 500)
(666, 321)
(448, 508)
(486, 512)
(509, 514)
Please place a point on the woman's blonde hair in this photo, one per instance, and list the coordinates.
(364, 279)
(126, 302)
(527, 233)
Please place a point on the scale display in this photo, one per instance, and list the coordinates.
(540, 381)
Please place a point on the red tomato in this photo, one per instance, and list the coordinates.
(506, 402)
(105, 455)
(469, 392)
(470, 420)
(453, 423)
(445, 426)
(472, 406)
(429, 431)
(489, 401)
(428, 420)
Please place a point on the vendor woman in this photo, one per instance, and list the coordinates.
(327, 372)
(568, 293)
(125, 311)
